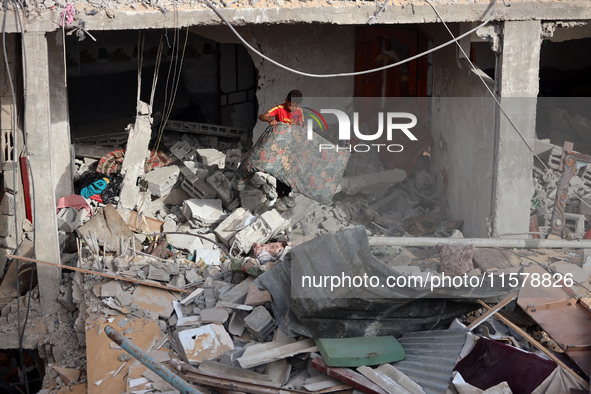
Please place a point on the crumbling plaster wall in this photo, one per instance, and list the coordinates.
(311, 48)
(462, 126)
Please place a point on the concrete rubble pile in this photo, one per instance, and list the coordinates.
(192, 199)
(176, 276)
(546, 183)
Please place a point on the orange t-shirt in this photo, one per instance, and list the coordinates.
(282, 115)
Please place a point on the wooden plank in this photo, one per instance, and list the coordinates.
(485, 316)
(264, 357)
(67, 267)
(538, 346)
(348, 376)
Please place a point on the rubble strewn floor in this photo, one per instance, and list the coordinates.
(177, 277)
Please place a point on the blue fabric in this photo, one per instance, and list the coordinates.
(94, 188)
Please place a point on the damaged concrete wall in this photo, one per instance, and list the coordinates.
(519, 85)
(304, 47)
(463, 135)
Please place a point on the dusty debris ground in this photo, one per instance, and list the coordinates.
(190, 286)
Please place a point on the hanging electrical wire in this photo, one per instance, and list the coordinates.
(351, 74)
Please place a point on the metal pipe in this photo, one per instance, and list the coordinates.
(165, 373)
(481, 242)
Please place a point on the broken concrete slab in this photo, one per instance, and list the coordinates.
(183, 320)
(275, 221)
(222, 186)
(192, 296)
(256, 297)
(258, 232)
(214, 315)
(203, 213)
(251, 199)
(181, 149)
(237, 294)
(155, 300)
(204, 343)
(192, 169)
(161, 180)
(233, 157)
(107, 229)
(111, 289)
(158, 274)
(198, 188)
(260, 323)
(208, 256)
(576, 223)
(230, 225)
(69, 219)
(212, 157)
(135, 156)
(186, 242)
(236, 326)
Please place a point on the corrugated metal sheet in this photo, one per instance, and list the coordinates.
(431, 357)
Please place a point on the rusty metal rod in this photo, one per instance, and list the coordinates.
(116, 277)
(165, 373)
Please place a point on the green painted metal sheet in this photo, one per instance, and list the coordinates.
(355, 352)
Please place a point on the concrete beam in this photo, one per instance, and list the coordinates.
(38, 130)
(346, 13)
(519, 65)
(60, 119)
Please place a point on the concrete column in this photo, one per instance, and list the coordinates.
(60, 119)
(38, 129)
(519, 64)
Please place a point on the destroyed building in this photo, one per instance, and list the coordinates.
(485, 170)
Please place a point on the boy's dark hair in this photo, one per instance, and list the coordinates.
(295, 96)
